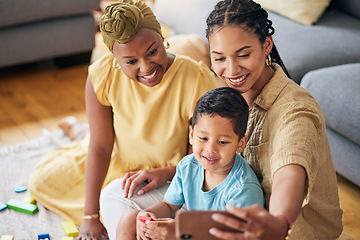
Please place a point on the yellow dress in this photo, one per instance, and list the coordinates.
(151, 126)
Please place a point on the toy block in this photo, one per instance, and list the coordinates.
(67, 238)
(144, 219)
(22, 206)
(7, 237)
(29, 199)
(2, 206)
(20, 189)
(70, 229)
(44, 236)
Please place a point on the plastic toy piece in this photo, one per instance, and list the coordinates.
(29, 199)
(20, 189)
(144, 219)
(67, 238)
(22, 206)
(70, 229)
(7, 237)
(2, 207)
(44, 236)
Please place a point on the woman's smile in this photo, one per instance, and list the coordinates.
(152, 77)
(237, 81)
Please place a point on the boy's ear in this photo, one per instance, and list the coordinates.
(242, 144)
(191, 135)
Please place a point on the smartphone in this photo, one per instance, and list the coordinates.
(195, 225)
(144, 218)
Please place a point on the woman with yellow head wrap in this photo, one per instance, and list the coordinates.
(123, 19)
(139, 102)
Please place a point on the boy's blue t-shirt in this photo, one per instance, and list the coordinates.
(240, 188)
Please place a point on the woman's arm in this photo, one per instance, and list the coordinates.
(100, 148)
(288, 191)
(285, 203)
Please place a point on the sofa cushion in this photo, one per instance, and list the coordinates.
(334, 40)
(345, 155)
(306, 12)
(337, 89)
(351, 7)
(184, 16)
(191, 45)
(24, 11)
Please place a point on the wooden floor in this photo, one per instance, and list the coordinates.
(37, 96)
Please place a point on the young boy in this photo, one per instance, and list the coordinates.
(215, 174)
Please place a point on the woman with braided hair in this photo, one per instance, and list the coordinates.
(139, 102)
(287, 147)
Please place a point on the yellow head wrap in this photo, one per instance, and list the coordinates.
(123, 19)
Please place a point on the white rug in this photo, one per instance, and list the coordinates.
(16, 165)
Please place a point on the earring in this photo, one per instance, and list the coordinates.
(116, 64)
(166, 44)
(268, 60)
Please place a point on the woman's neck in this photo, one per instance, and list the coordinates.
(171, 59)
(253, 92)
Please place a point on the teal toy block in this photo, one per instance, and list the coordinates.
(20, 189)
(2, 206)
(22, 206)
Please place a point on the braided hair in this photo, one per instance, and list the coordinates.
(247, 14)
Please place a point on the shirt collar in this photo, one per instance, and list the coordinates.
(272, 89)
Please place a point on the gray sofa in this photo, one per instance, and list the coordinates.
(325, 60)
(337, 90)
(333, 40)
(34, 30)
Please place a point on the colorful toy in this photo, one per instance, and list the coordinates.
(44, 236)
(144, 219)
(29, 199)
(20, 189)
(22, 206)
(70, 229)
(2, 206)
(7, 237)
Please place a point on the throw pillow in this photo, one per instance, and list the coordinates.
(191, 45)
(184, 16)
(306, 12)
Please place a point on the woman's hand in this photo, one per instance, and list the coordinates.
(91, 229)
(160, 229)
(258, 224)
(155, 178)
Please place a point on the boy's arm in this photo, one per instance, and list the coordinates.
(163, 209)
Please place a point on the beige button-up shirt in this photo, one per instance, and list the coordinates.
(286, 126)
